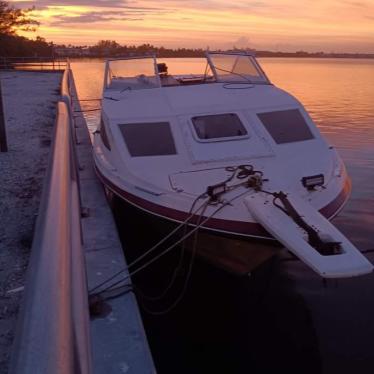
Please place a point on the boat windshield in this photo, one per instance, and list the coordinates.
(147, 72)
(235, 67)
(132, 73)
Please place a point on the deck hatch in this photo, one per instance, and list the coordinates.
(148, 139)
(286, 126)
(216, 126)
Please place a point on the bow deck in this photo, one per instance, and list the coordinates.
(348, 262)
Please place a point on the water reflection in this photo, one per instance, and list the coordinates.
(339, 95)
(89, 78)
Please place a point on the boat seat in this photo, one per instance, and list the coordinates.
(135, 83)
(168, 80)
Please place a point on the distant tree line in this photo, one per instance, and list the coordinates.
(12, 20)
(105, 48)
(19, 46)
(110, 48)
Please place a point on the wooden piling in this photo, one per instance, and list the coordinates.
(3, 139)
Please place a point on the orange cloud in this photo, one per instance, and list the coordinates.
(330, 25)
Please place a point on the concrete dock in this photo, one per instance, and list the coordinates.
(116, 340)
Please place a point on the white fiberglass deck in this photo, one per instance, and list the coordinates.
(165, 138)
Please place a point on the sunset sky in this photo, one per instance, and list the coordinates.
(287, 25)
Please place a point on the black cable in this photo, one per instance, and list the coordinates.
(87, 110)
(111, 98)
(279, 206)
(178, 267)
(224, 204)
(111, 293)
(187, 279)
(368, 251)
(96, 301)
(128, 88)
(154, 247)
(87, 99)
(151, 261)
(246, 170)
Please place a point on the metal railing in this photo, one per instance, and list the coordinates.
(33, 63)
(53, 327)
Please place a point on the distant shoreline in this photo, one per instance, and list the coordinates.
(315, 55)
(201, 54)
(17, 46)
(256, 55)
(111, 49)
(326, 57)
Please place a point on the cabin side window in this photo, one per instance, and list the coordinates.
(103, 135)
(286, 126)
(148, 139)
(218, 126)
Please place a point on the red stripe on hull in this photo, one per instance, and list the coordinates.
(232, 227)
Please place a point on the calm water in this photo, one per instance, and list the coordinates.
(336, 318)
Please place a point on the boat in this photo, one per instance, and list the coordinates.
(222, 150)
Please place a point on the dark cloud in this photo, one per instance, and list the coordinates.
(42, 4)
(198, 4)
(125, 10)
(92, 17)
(357, 4)
(122, 4)
(221, 5)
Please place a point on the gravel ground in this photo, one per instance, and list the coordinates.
(30, 104)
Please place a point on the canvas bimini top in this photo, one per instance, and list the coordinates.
(220, 67)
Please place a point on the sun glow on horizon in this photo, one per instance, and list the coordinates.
(329, 25)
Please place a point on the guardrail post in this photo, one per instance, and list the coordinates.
(3, 139)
